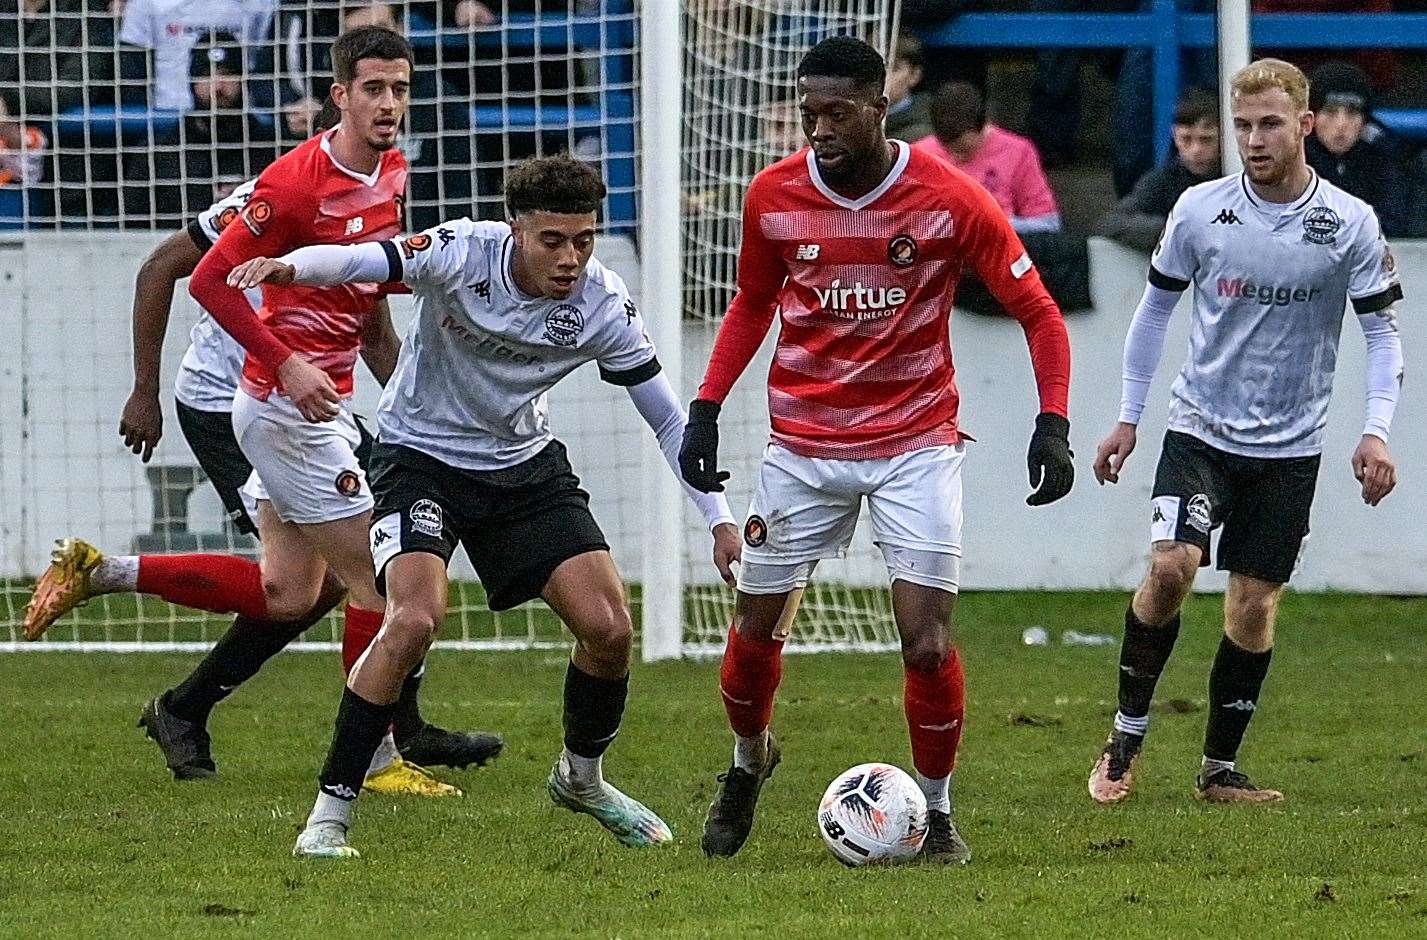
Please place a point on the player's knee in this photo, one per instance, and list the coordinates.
(925, 650)
(608, 633)
(1250, 616)
(287, 599)
(409, 632)
(1172, 572)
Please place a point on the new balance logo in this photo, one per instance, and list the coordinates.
(340, 790)
(354, 226)
(1241, 705)
(1226, 217)
(807, 252)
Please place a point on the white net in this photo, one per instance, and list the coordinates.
(740, 59)
(122, 120)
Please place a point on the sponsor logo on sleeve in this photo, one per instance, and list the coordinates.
(1020, 266)
(410, 246)
(1389, 263)
(564, 324)
(1320, 226)
(256, 215)
(755, 531)
(902, 251)
(425, 516)
(225, 219)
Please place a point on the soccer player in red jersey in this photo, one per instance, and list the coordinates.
(307, 492)
(857, 244)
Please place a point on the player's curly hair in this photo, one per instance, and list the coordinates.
(846, 57)
(559, 184)
(367, 42)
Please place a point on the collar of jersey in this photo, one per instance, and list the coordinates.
(369, 178)
(1277, 209)
(904, 154)
(507, 257)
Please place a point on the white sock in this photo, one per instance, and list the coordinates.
(1127, 725)
(115, 573)
(586, 773)
(386, 755)
(330, 809)
(750, 754)
(937, 790)
(1212, 766)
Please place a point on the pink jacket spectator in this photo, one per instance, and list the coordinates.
(1009, 168)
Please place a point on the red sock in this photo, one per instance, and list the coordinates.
(935, 703)
(749, 677)
(359, 628)
(223, 584)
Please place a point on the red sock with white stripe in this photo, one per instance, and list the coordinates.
(748, 680)
(359, 628)
(222, 584)
(935, 703)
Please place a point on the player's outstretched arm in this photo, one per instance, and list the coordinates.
(656, 403)
(141, 423)
(321, 266)
(1144, 345)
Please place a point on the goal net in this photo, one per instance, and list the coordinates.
(121, 122)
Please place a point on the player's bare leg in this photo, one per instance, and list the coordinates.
(1151, 628)
(587, 594)
(935, 703)
(752, 668)
(1250, 610)
(293, 578)
(416, 605)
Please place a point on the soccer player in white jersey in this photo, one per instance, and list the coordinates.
(1274, 255)
(465, 455)
(207, 381)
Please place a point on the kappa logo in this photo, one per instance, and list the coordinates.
(1158, 515)
(807, 252)
(354, 226)
(426, 517)
(1226, 217)
(349, 484)
(380, 537)
(340, 790)
(1241, 705)
(630, 312)
(1197, 513)
(446, 235)
(482, 289)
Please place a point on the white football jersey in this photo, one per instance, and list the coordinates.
(470, 383)
(1271, 283)
(208, 376)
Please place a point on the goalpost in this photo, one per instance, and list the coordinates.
(678, 103)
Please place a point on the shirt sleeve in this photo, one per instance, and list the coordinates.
(1172, 263)
(208, 227)
(1372, 277)
(626, 355)
(434, 258)
(137, 26)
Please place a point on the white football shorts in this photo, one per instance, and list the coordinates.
(805, 509)
(308, 471)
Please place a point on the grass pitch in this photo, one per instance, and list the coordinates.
(96, 840)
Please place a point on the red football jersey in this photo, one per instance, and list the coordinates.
(307, 198)
(863, 367)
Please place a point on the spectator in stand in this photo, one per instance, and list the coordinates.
(908, 115)
(1006, 164)
(48, 76)
(1351, 151)
(22, 150)
(1139, 218)
(170, 29)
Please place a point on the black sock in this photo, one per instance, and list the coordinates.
(1142, 657)
(593, 709)
(361, 725)
(1234, 685)
(406, 720)
(234, 659)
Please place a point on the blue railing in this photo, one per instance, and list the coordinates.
(1167, 32)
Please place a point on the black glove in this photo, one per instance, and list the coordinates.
(698, 455)
(1049, 459)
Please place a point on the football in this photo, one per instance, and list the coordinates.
(873, 814)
